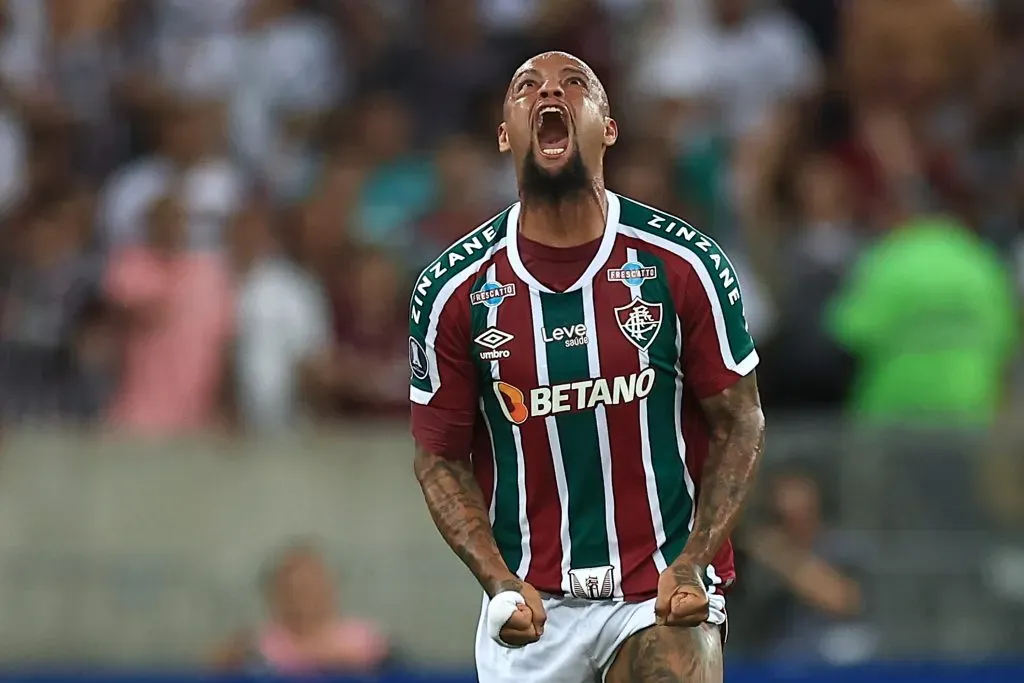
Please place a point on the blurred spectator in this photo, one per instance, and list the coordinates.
(445, 65)
(177, 311)
(194, 46)
(802, 605)
(931, 316)
(908, 81)
(61, 64)
(910, 57)
(368, 372)
(401, 184)
(807, 368)
(53, 281)
(306, 634)
(283, 319)
(738, 64)
(290, 75)
(190, 156)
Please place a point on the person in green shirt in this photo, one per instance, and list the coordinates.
(931, 314)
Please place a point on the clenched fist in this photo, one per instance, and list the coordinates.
(525, 625)
(682, 597)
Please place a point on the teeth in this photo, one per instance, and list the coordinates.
(547, 110)
(553, 152)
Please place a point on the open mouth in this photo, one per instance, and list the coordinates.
(552, 131)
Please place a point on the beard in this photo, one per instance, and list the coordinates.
(546, 187)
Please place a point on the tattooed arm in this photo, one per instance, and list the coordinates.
(737, 439)
(444, 396)
(457, 506)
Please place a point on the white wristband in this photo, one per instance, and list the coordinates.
(499, 609)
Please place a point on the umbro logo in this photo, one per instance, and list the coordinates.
(492, 338)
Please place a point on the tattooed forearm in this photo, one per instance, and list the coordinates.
(737, 439)
(457, 506)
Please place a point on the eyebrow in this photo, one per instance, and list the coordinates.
(530, 71)
(576, 70)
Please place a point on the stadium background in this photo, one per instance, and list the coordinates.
(212, 212)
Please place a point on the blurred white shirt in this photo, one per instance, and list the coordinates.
(22, 47)
(212, 192)
(290, 67)
(283, 318)
(741, 72)
(196, 43)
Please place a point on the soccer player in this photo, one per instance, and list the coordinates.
(585, 410)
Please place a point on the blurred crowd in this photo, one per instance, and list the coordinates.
(212, 210)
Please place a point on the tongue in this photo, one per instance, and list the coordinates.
(553, 133)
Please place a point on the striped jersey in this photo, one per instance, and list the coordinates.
(579, 409)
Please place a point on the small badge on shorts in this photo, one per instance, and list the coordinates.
(593, 583)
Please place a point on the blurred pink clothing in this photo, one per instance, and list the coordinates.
(180, 311)
(349, 645)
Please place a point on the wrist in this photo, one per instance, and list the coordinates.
(500, 583)
(695, 553)
(690, 563)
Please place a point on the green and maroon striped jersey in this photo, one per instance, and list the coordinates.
(579, 408)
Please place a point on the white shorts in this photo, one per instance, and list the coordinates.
(579, 643)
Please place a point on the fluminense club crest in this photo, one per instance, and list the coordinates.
(640, 322)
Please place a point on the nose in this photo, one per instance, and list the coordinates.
(552, 89)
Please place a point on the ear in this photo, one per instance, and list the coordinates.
(503, 144)
(611, 132)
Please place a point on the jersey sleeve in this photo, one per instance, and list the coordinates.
(443, 388)
(717, 347)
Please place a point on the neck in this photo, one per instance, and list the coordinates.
(306, 626)
(569, 223)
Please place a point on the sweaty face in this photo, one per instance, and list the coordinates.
(556, 125)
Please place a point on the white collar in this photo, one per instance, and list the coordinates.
(600, 258)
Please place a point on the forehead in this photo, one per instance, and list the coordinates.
(554, 62)
(299, 560)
